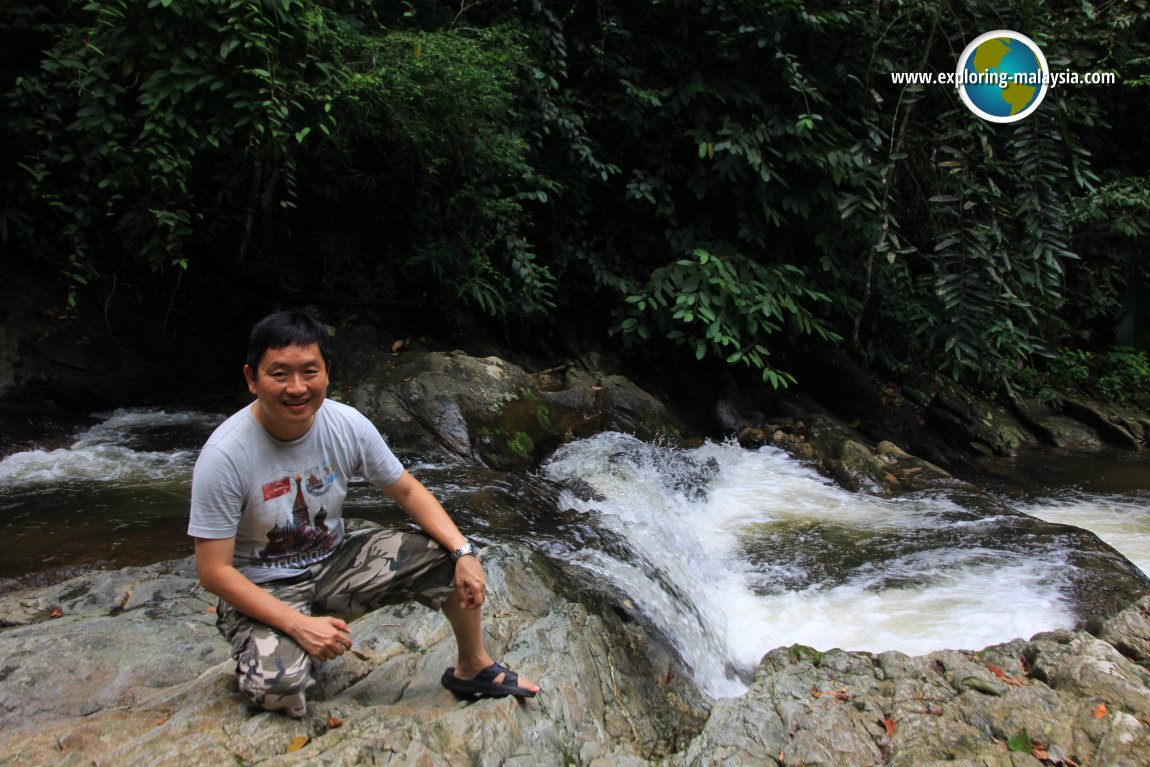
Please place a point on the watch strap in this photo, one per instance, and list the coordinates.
(466, 550)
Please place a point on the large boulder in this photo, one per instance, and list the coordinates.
(126, 668)
(491, 409)
(1061, 698)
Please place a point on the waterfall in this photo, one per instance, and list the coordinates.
(729, 553)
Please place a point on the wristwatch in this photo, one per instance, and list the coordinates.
(466, 550)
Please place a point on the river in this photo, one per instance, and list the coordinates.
(723, 552)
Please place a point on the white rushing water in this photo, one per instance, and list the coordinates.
(1123, 522)
(118, 449)
(697, 579)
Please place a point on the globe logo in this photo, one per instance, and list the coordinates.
(1002, 76)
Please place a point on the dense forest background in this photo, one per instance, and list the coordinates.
(730, 184)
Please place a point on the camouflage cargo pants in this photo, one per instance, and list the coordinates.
(370, 568)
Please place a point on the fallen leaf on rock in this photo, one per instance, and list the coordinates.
(1016, 681)
(397, 346)
(56, 612)
(889, 725)
(840, 694)
(334, 721)
(1057, 756)
(1039, 752)
(1100, 711)
(297, 743)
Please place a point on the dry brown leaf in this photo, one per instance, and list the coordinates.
(395, 347)
(334, 721)
(1039, 752)
(840, 694)
(1016, 681)
(889, 725)
(56, 612)
(297, 743)
(1100, 711)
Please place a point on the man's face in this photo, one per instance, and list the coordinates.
(289, 384)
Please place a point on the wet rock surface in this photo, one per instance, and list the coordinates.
(137, 675)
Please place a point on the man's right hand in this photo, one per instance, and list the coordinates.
(323, 637)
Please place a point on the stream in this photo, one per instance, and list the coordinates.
(724, 553)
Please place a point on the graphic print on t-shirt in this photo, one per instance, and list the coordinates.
(300, 534)
(319, 480)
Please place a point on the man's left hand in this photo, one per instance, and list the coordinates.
(470, 582)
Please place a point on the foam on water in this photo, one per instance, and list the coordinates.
(1121, 521)
(115, 450)
(691, 519)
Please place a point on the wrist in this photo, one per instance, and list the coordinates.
(468, 549)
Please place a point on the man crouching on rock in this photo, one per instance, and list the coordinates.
(266, 515)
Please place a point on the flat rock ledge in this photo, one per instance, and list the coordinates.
(126, 668)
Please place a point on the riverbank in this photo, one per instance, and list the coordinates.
(138, 675)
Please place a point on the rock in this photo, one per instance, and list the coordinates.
(1007, 705)
(1054, 428)
(839, 450)
(859, 470)
(976, 426)
(1129, 632)
(133, 672)
(1126, 434)
(488, 408)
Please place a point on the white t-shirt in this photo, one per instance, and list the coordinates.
(283, 501)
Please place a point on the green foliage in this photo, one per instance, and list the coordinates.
(1112, 221)
(739, 178)
(263, 133)
(1118, 375)
(521, 444)
(726, 305)
(134, 100)
(1124, 373)
(1019, 742)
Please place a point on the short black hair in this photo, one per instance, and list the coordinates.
(297, 327)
